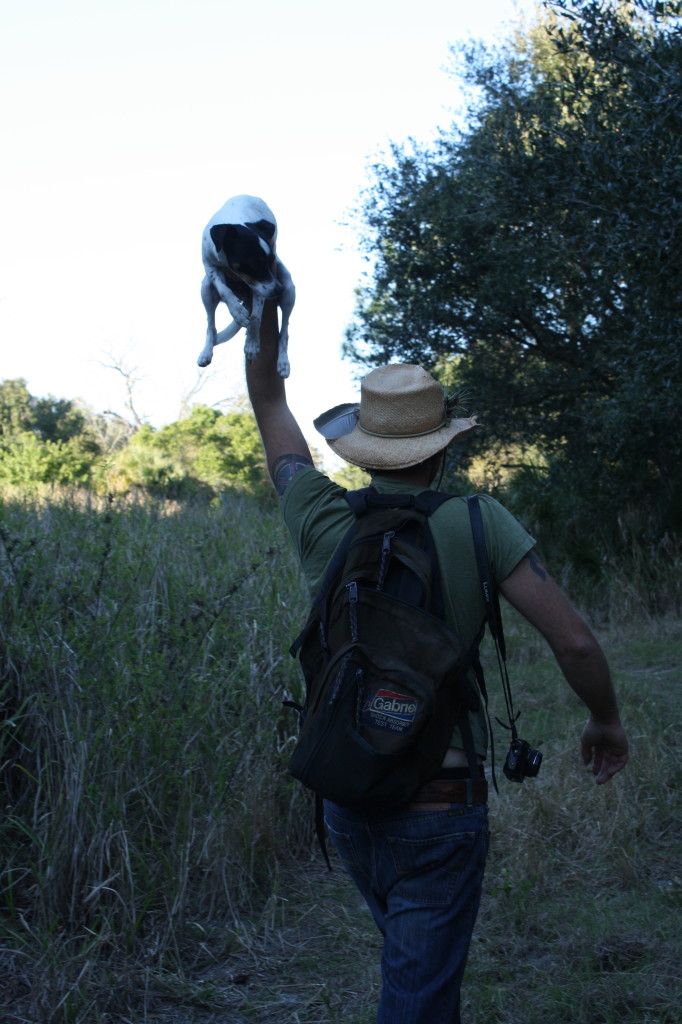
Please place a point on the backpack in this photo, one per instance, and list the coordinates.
(386, 677)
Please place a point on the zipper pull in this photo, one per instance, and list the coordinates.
(340, 676)
(385, 555)
(352, 589)
(322, 633)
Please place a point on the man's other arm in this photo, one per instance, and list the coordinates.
(532, 591)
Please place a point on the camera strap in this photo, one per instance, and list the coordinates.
(492, 607)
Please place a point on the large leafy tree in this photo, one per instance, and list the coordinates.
(43, 440)
(50, 419)
(207, 449)
(540, 246)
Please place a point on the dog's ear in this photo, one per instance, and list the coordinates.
(219, 232)
(265, 228)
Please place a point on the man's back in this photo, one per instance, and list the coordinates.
(318, 517)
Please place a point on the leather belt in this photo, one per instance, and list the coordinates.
(456, 791)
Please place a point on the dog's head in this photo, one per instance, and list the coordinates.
(247, 249)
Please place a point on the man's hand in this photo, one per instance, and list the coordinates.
(606, 746)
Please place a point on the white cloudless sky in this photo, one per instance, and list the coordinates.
(126, 124)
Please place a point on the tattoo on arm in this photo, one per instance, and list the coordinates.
(285, 468)
(536, 565)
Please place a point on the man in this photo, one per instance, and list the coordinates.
(420, 867)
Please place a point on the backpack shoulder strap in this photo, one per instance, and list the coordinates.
(490, 595)
(493, 614)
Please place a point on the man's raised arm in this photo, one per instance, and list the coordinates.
(286, 449)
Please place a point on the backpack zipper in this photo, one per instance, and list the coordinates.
(385, 555)
(352, 589)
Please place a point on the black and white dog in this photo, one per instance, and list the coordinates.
(238, 244)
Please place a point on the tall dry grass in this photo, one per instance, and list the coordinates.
(143, 663)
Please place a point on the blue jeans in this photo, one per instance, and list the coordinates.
(420, 873)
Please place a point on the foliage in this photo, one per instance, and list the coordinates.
(351, 477)
(207, 448)
(43, 440)
(538, 247)
(54, 441)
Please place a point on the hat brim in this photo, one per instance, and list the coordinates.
(371, 452)
(338, 421)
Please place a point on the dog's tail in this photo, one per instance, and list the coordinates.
(228, 333)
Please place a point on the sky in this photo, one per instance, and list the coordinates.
(126, 124)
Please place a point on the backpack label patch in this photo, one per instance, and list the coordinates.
(390, 711)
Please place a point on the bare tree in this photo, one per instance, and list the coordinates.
(131, 379)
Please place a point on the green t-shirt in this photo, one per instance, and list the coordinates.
(317, 516)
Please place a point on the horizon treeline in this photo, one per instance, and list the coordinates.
(58, 441)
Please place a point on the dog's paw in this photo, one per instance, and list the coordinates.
(251, 349)
(252, 339)
(241, 315)
(283, 367)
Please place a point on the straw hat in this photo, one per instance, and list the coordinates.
(403, 418)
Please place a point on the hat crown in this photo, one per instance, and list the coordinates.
(403, 418)
(401, 400)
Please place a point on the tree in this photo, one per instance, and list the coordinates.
(540, 246)
(51, 440)
(221, 448)
(43, 440)
(205, 449)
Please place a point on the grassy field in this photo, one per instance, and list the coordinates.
(159, 866)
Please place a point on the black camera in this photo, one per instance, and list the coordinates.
(522, 761)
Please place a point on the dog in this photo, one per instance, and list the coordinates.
(238, 245)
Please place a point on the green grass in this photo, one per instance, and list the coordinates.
(158, 865)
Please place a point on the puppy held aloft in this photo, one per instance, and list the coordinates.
(238, 244)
